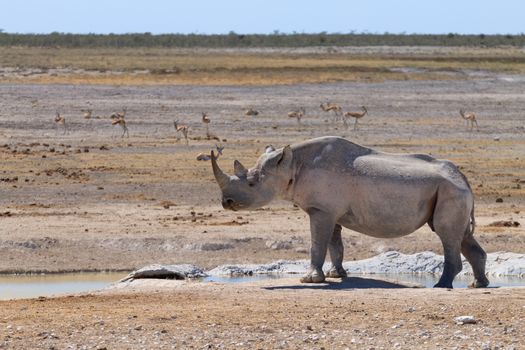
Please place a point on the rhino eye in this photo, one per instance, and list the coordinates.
(253, 179)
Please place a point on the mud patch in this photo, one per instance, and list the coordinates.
(504, 223)
(32, 244)
(208, 246)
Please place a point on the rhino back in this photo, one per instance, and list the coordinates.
(329, 153)
(356, 183)
(334, 155)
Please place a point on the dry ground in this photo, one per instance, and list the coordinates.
(90, 200)
(283, 314)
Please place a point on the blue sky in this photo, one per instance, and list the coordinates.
(263, 16)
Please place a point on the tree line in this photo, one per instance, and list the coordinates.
(275, 39)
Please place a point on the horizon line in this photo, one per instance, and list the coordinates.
(275, 32)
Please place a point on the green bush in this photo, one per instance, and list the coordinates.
(275, 39)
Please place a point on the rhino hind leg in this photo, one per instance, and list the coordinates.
(450, 220)
(477, 258)
(336, 249)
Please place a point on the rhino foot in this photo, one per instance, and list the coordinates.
(479, 283)
(313, 276)
(339, 272)
(443, 285)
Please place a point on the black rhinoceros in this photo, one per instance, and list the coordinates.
(342, 184)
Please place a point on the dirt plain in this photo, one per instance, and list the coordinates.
(89, 200)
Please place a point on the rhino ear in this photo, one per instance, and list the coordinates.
(269, 149)
(286, 157)
(239, 169)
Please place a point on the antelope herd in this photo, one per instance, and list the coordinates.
(119, 118)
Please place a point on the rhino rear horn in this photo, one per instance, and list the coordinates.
(240, 170)
(286, 156)
(220, 176)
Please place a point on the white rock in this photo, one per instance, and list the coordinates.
(498, 264)
(465, 320)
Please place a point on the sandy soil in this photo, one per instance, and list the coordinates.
(90, 200)
(282, 314)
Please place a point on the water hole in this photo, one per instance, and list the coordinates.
(33, 286)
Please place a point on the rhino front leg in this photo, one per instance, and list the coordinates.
(451, 266)
(336, 249)
(321, 229)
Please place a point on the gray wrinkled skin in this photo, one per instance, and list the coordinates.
(342, 184)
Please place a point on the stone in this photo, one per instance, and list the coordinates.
(465, 320)
(208, 246)
(278, 245)
(178, 272)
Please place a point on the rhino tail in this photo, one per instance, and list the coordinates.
(472, 226)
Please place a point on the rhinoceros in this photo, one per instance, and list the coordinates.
(339, 183)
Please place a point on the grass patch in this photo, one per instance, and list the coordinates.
(148, 66)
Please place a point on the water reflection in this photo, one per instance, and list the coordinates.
(33, 286)
(426, 280)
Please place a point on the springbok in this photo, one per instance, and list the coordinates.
(117, 115)
(87, 113)
(356, 115)
(206, 157)
(122, 122)
(298, 114)
(60, 120)
(181, 128)
(470, 118)
(251, 112)
(327, 107)
(206, 121)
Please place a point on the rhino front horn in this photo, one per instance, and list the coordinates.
(220, 176)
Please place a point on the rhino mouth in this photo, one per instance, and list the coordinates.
(230, 204)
